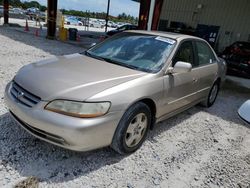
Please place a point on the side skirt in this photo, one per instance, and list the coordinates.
(171, 114)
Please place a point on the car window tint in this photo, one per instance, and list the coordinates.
(205, 54)
(185, 53)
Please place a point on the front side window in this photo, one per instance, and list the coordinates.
(205, 54)
(185, 53)
(137, 51)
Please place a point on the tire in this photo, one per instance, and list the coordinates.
(132, 129)
(213, 93)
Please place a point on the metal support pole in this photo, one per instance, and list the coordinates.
(107, 16)
(51, 23)
(151, 14)
(6, 11)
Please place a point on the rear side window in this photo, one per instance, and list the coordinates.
(204, 52)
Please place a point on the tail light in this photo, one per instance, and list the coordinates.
(248, 62)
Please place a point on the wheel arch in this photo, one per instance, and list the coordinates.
(152, 106)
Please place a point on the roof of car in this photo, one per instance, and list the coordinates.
(164, 34)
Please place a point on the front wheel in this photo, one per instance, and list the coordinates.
(132, 129)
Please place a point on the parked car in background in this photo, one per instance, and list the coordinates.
(35, 14)
(32, 11)
(18, 11)
(73, 21)
(116, 91)
(111, 24)
(119, 24)
(244, 111)
(14, 13)
(1, 10)
(121, 29)
(96, 24)
(237, 57)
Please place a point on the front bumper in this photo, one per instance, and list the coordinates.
(72, 133)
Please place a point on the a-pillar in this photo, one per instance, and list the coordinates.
(51, 21)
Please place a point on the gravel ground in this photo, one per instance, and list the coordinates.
(197, 148)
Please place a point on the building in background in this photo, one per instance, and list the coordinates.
(219, 22)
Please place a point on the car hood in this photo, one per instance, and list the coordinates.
(75, 77)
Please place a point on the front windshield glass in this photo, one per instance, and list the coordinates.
(137, 51)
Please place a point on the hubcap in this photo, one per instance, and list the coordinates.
(136, 130)
(213, 94)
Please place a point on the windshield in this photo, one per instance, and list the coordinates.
(137, 51)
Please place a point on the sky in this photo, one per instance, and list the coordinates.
(116, 6)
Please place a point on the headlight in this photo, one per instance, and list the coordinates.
(78, 109)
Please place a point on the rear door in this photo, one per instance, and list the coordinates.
(207, 68)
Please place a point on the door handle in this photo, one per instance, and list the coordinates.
(195, 80)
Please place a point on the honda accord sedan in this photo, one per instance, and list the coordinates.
(115, 92)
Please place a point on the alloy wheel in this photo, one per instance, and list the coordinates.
(136, 130)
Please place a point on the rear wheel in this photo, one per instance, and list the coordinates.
(132, 129)
(212, 95)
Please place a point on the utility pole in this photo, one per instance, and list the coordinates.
(6, 11)
(107, 16)
(51, 22)
(151, 14)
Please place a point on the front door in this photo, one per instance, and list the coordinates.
(180, 88)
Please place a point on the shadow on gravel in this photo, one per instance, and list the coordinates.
(50, 46)
(31, 157)
(231, 97)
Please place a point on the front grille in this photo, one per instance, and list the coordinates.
(23, 96)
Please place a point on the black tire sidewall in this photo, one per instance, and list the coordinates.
(209, 104)
(118, 142)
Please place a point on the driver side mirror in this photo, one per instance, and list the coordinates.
(180, 67)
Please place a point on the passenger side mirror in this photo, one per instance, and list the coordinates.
(180, 67)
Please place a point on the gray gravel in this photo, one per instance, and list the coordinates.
(197, 148)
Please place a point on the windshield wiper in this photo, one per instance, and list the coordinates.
(109, 60)
(119, 63)
(94, 56)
